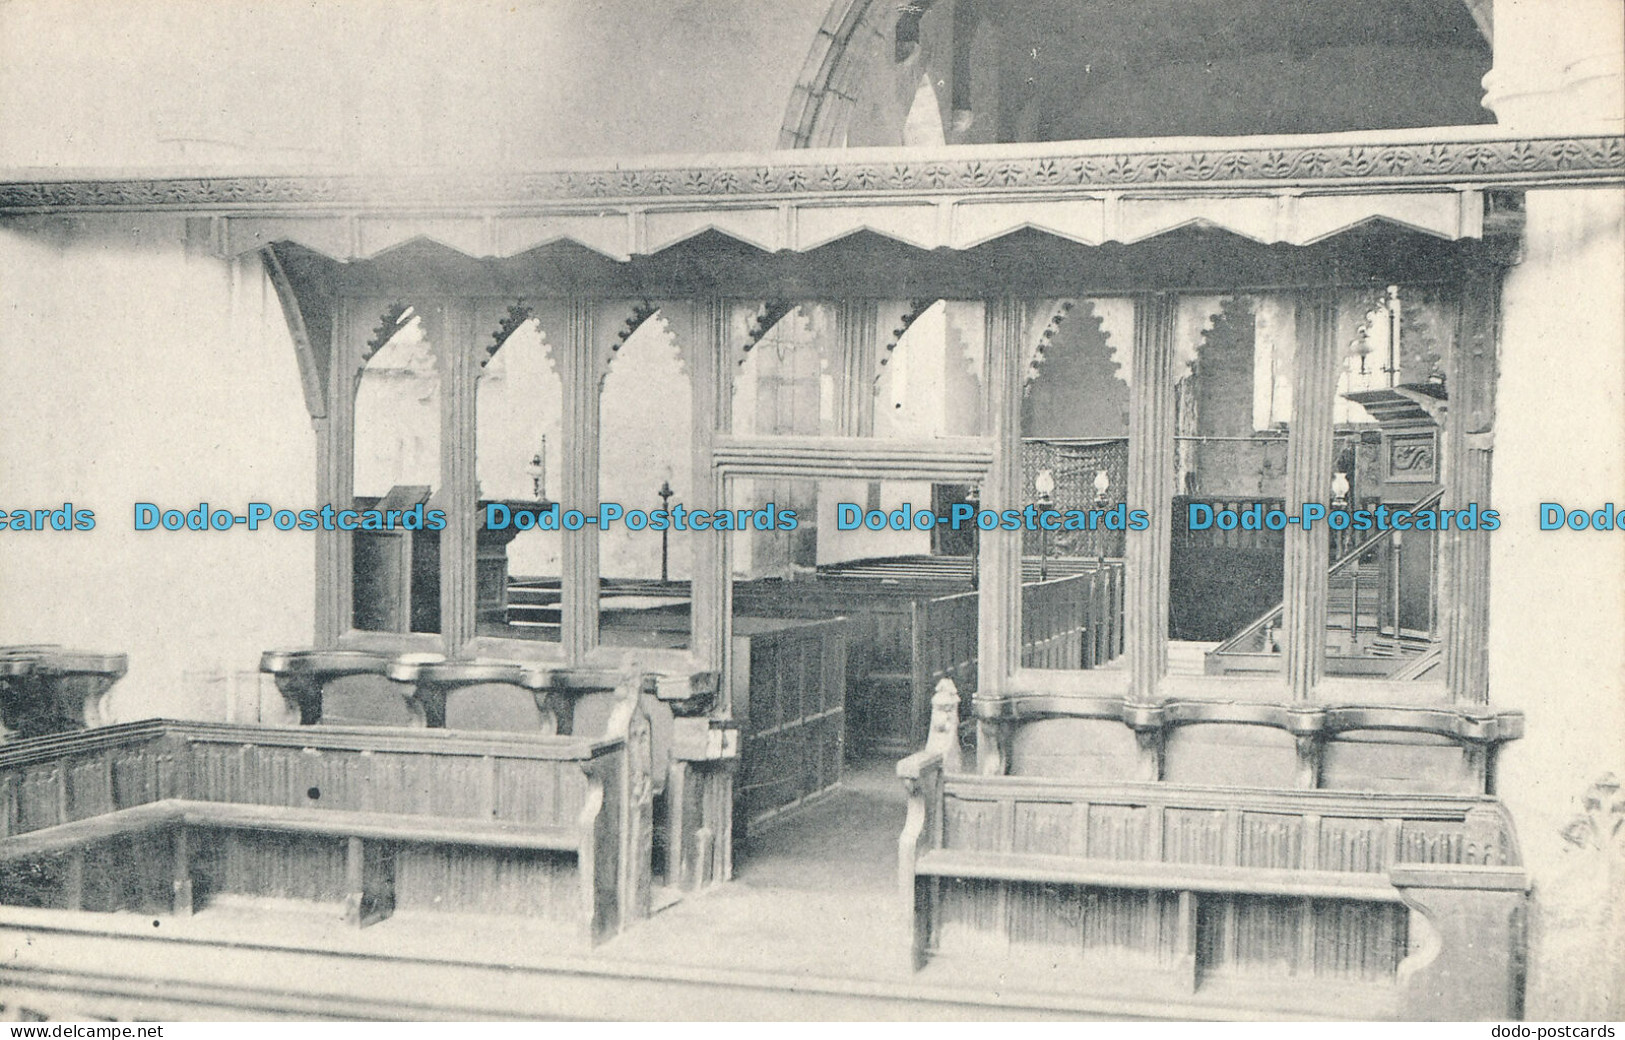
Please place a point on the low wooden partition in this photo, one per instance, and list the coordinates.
(790, 697)
(1394, 905)
(907, 634)
(161, 816)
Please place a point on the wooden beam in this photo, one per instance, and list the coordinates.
(312, 370)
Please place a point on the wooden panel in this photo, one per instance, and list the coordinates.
(544, 793)
(1194, 836)
(1377, 761)
(1191, 882)
(795, 718)
(324, 815)
(1078, 749)
(972, 824)
(1118, 831)
(1353, 844)
(130, 874)
(493, 706)
(1244, 756)
(534, 884)
(1044, 827)
(287, 866)
(367, 700)
(1273, 840)
(1357, 941)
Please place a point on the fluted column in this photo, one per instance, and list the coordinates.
(452, 331)
(1309, 475)
(335, 475)
(1000, 552)
(579, 481)
(1150, 487)
(1468, 451)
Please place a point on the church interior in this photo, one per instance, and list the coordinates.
(1080, 255)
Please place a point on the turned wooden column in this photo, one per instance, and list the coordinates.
(578, 369)
(1469, 432)
(1316, 360)
(1150, 487)
(451, 330)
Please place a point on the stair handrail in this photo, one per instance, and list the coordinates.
(1228, 646)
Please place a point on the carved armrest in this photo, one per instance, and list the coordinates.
(300, 675)
(47, 689)
(918, 766)
(921, 774)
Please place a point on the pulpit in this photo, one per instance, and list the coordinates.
(1411, 417)
(397, 573)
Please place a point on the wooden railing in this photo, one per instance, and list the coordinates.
(1073, 622)
(790, 696)
(1251, 648)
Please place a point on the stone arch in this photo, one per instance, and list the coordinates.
(863, 74)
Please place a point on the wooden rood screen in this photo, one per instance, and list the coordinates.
(162, 816)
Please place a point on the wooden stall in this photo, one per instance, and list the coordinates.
(162, 816)
(1400, 905)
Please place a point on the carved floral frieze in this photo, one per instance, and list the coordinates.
(1311, 164)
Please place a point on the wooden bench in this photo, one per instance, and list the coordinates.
(1408, 905)
(163, 816)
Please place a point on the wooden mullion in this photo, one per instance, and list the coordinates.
(452, 334)
(578, 369)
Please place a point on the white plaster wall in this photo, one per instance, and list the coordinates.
(1557, 631)
(1557, 625)
(131, 370)
(836, 546)
(357, 83)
